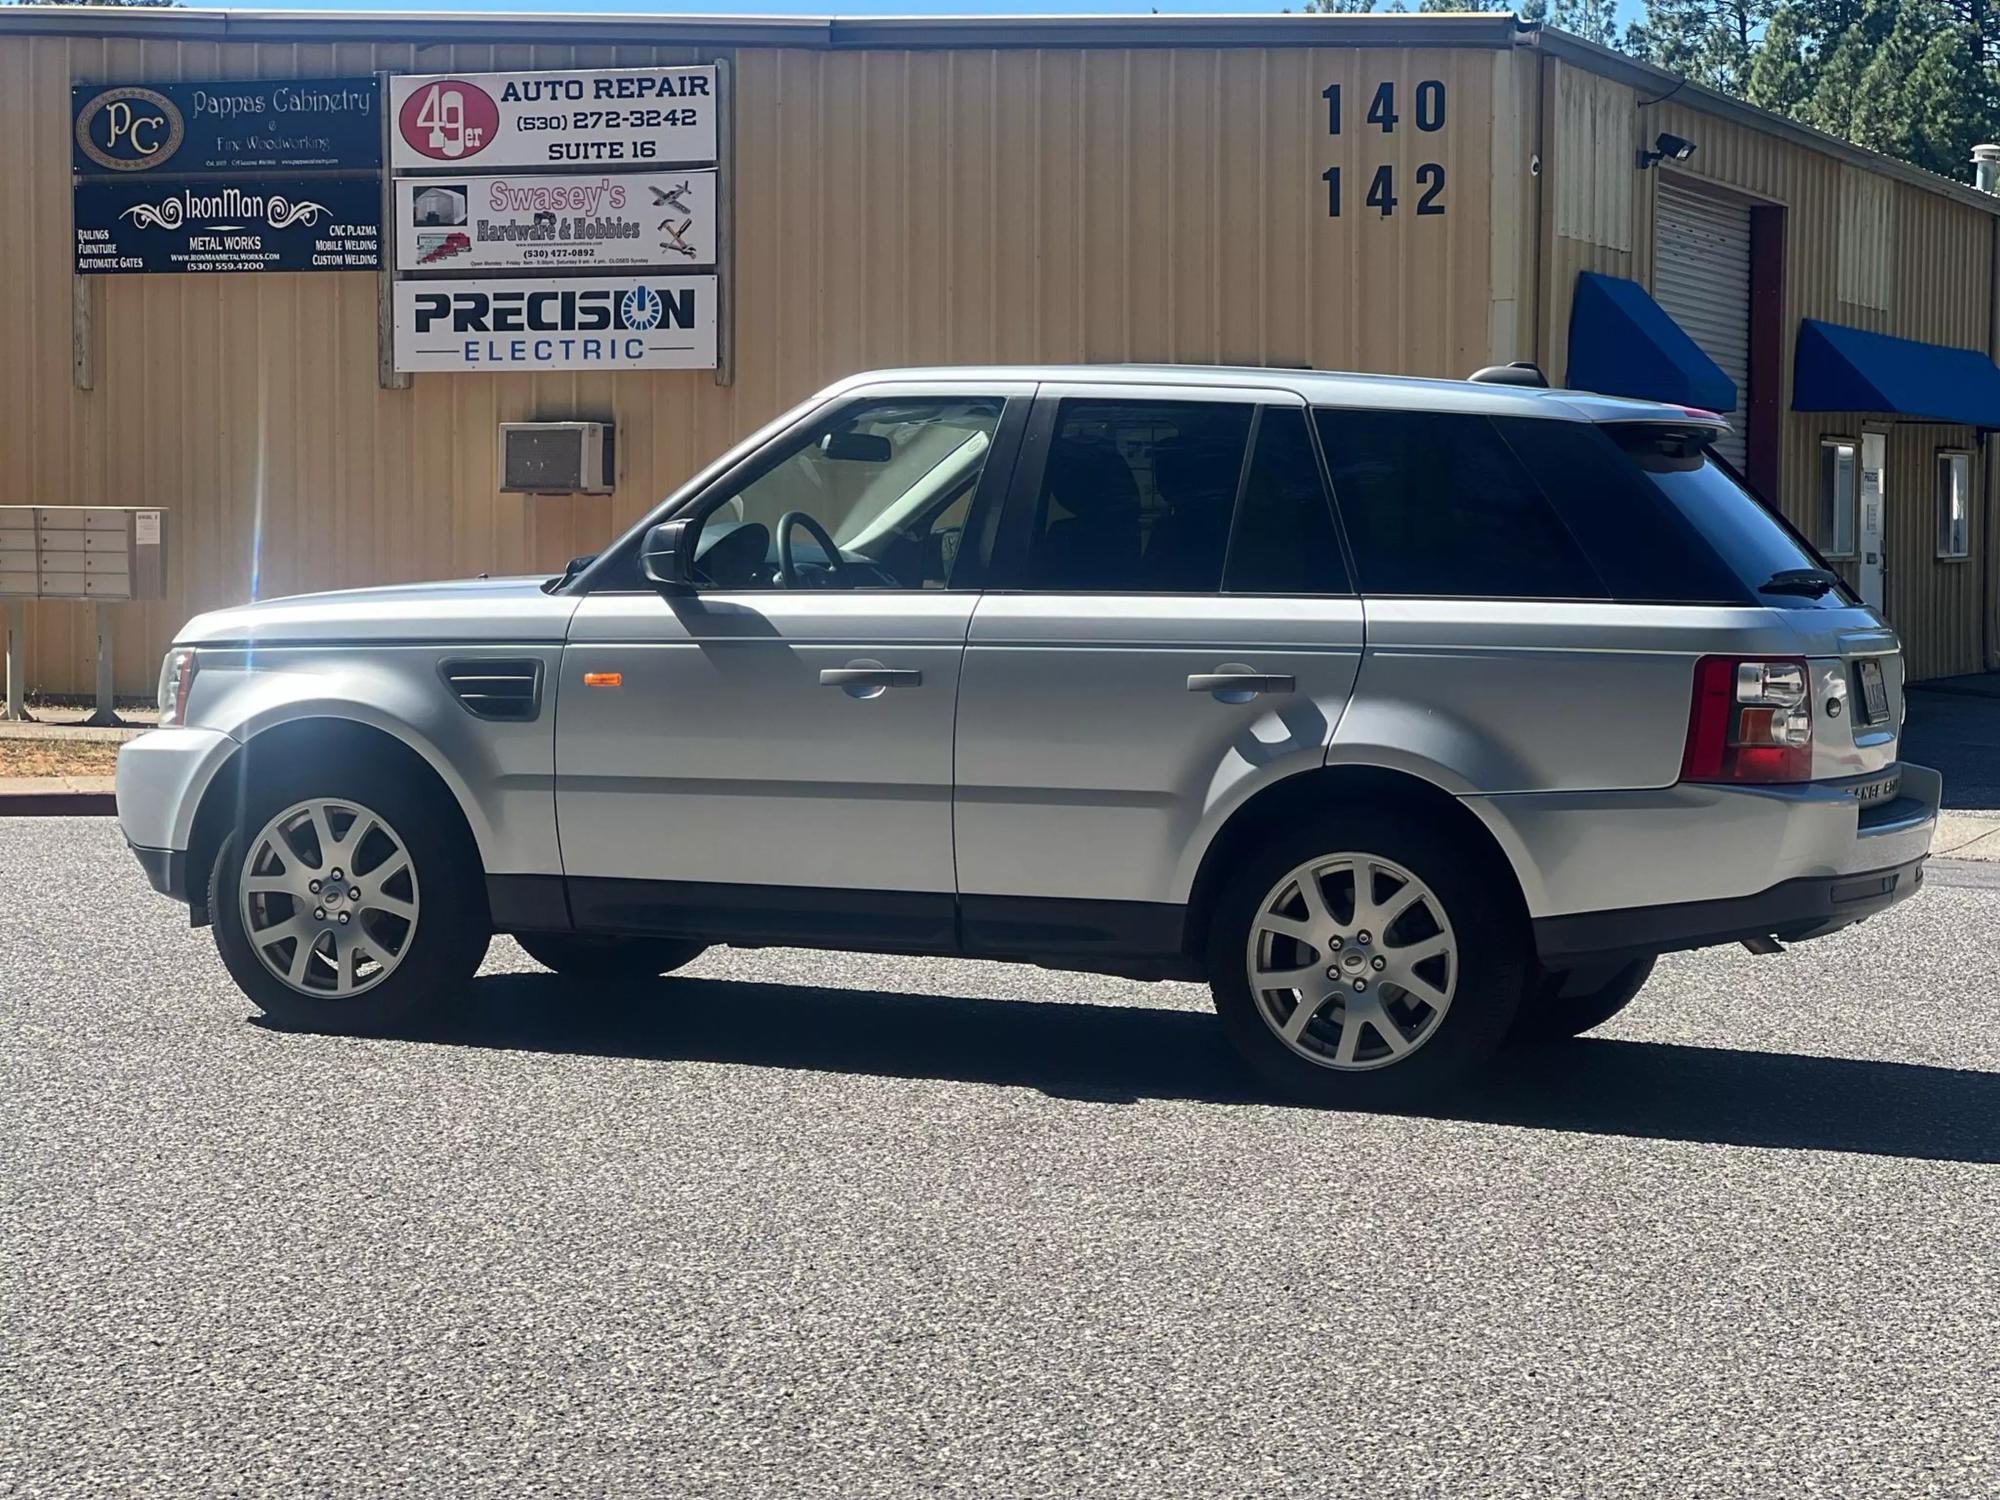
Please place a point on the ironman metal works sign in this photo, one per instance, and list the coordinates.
(642, 322)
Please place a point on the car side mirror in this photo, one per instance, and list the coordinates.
(666, 555)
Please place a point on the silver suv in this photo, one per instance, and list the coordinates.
(1409, 714)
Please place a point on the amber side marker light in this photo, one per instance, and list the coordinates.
(603, 679)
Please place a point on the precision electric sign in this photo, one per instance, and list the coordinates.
(596, 117)
(568, 323)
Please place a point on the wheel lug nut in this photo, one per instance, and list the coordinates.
(1334, 972)
(1359, 937)
(1359, 984)
(1381, 962)
(343, 916)
(313, 886)
(1335, 944)
(319, 913)
(336, 874)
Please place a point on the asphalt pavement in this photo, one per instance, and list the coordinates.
(1957, 732)
(832, 1225)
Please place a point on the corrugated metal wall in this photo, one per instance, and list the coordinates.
(1937, 285)
(892, 208)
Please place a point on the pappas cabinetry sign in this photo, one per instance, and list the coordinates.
(538, 221)
(557, 323)
(302, 124)
(594, 117)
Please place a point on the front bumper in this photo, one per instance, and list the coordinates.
(161, 778)
(1825, 864)
(166, 870)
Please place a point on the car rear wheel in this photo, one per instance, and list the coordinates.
(1554, 1015)
(1358, 962)
(584, 957)
(345, 901)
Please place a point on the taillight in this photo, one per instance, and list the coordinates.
(1751, 721)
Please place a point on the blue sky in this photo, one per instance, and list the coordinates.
(1626, 8)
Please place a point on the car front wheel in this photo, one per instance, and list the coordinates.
(346, 902)
(1358, 962)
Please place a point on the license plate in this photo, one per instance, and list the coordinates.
(1874, 691)
(1878, 791)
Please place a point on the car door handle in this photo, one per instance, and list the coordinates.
(1241, 682)
(875, 677)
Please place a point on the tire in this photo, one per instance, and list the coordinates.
(1553, 1016)
(1467, 909)
(429, 922)
(579, 956)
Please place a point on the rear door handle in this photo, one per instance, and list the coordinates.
(866, 677)
(1241, 682)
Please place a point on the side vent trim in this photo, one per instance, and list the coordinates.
(507, 690)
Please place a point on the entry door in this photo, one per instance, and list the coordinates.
(1173, 631)
(771, 756)
(1874, 514)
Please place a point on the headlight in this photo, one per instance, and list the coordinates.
(176, 677)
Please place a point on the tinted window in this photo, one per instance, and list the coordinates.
(887, 484)
(1436, 504)
(1136, 497)
(1643, 548)
(1755, 544)
(1284, 540)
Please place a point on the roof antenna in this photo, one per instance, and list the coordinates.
(1520, 372)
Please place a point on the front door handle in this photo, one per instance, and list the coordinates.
(866, 677)
(1245, 683)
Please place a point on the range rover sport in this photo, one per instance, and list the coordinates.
(1411, 715)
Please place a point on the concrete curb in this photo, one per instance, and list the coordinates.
(58, 804)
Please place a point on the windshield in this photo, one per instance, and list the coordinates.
(1757, 544)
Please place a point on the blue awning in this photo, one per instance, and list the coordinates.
(1622, 343)
(1851, 369)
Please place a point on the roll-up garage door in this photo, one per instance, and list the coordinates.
(1701, 276)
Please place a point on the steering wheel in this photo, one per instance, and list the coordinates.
(788, 573)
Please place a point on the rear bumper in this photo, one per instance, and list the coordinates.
(1699, 866)
(1791, 912)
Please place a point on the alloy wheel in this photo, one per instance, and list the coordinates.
(1352, 961)
(329, 898)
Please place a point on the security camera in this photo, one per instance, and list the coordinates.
(1666, 147)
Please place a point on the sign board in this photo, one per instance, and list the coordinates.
(594, 117)
(245, 224)
(248, 126)
(629, 322)
(605, 221)
(82, 552)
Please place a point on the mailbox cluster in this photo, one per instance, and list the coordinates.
(82, 552)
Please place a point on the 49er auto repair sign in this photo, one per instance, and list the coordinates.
(590, 117)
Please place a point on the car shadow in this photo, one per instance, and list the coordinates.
(1121, 1054)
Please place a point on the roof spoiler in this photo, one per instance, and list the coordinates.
(1520, 372)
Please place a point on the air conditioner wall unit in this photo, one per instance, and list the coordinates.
(558, 458)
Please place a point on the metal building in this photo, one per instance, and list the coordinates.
(1416, 194)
